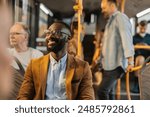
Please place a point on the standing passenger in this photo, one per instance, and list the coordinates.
(140, 38)
(117, 48)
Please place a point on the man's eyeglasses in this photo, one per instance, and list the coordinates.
(57, 33)
(16, 33)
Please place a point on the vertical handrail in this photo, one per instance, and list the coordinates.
(118, 89)
(79, 27)
(128, 83)
(78, 8)
(123, 5)
(128, 86)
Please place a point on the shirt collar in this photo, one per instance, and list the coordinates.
(116, 12)
(112, 16)
(61, 61)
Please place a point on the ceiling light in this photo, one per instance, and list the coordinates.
(46, 10)
(143, 12)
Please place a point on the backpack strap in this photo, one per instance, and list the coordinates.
(22, 71)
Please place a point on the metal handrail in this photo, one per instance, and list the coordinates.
(127, 81)
(134, 69)
(146, 47)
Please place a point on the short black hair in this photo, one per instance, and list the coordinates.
(63, 23)
(143, 23)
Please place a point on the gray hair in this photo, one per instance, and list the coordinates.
(24, 26)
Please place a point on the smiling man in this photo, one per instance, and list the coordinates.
(58, 75)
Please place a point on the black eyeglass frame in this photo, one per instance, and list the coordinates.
(56, 32)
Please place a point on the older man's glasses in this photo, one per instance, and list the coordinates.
(16, 33)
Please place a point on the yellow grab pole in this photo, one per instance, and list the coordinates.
(79, 27)
(127, 80)
(128, 86)
(122, 5)
(146, 47)
(134, 69)
(118, 90)
(79, 7)
(128, 83)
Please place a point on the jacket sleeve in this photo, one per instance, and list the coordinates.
(86, 91)
(27, 90)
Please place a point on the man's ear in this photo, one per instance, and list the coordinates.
(112, 5)
(66, 39)
(26, 36)
(69, 37)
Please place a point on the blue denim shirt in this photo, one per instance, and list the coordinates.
(117, 43)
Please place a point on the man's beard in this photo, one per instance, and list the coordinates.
(106, 15)
(60, 43)
(142, 34)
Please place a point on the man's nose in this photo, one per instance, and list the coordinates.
(11, 36)
(47, 37)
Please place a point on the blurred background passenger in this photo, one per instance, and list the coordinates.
(5, 59)
(73, 43)
(140, 38)
(19, 38)
(96, 65)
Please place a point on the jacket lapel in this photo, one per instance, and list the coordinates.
(44, 71)
(69, 75)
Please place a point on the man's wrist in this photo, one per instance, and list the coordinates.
(131, 63)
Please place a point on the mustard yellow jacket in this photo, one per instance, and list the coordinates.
(78, 80)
